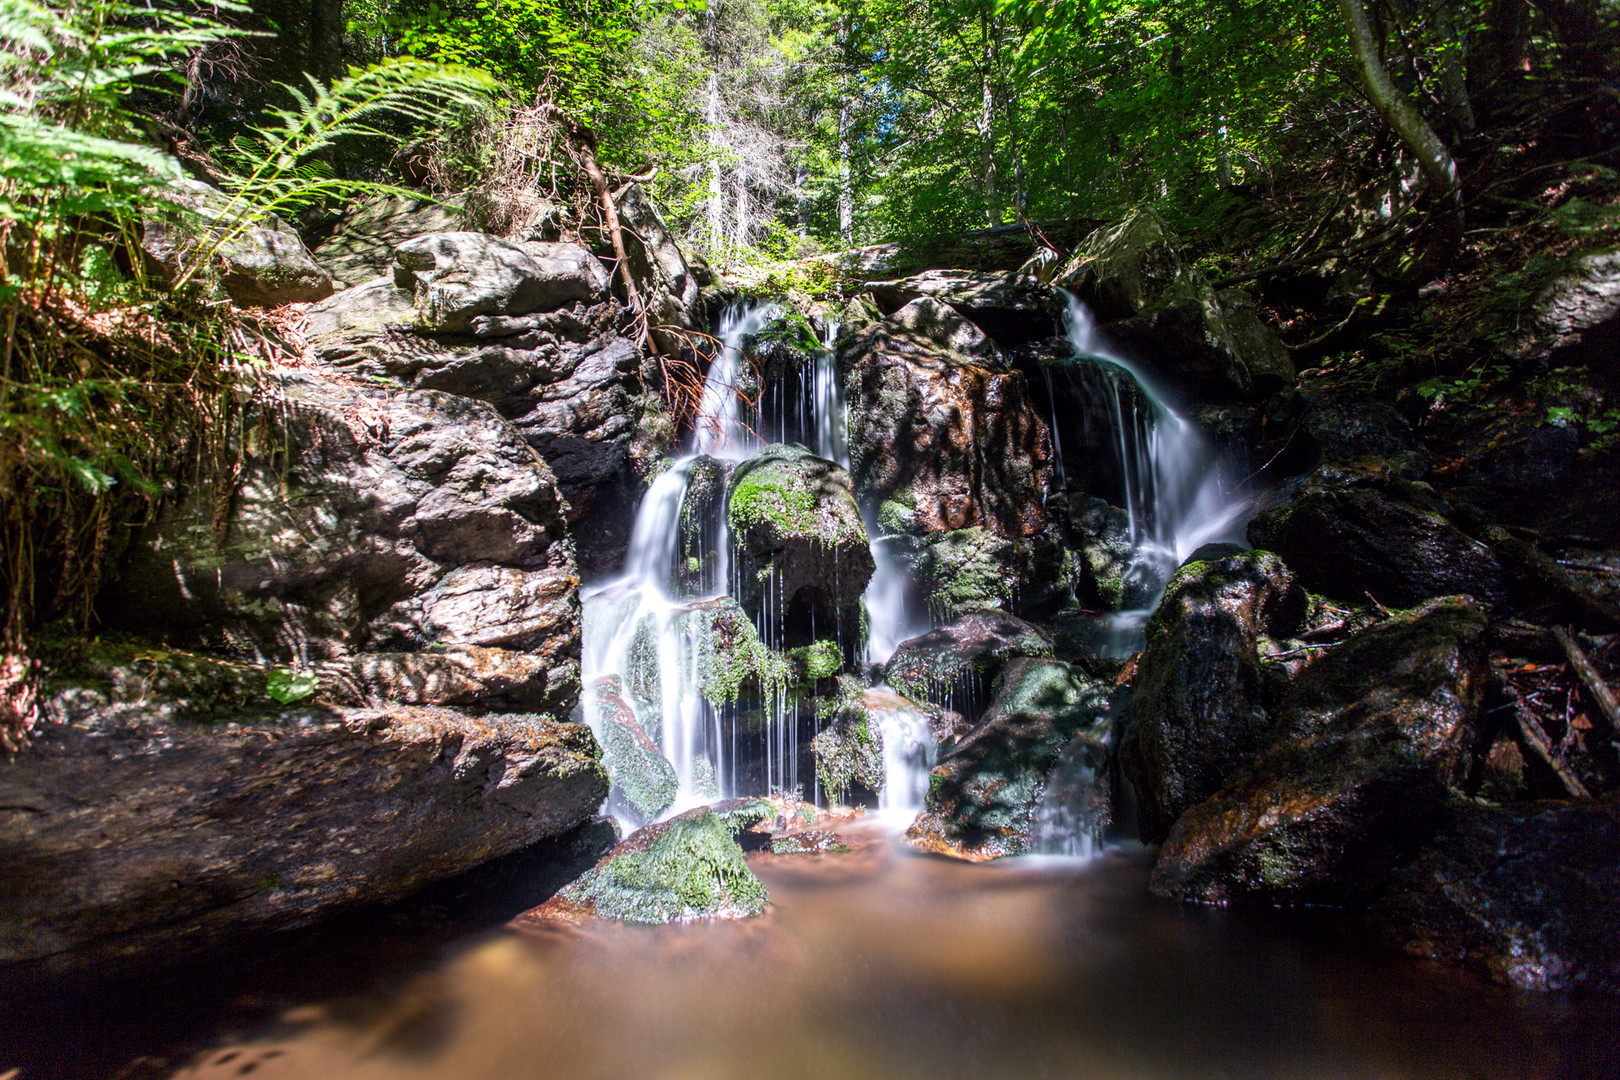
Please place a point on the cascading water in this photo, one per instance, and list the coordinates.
(1174, 502)
(1174, 498)
(652, 617)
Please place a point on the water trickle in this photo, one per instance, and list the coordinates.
(908, 754)
(1174, 496)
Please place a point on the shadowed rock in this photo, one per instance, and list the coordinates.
(1367, 741)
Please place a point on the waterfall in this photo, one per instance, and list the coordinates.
(645, 630)
(1174, 498)
(908, 754)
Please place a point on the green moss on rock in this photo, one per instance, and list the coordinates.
(679, 870)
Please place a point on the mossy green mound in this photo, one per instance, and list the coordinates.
(679, 870)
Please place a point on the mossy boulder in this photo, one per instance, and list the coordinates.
(1367, 742)
(1347, 531)
(801, 548)
(954, 665)
(642, 776)
(1123, 267)
(716, 640)
(1102, 538)
(681, 870)
(983, 792)
(966, 569)
(1198, 711)
(849, 747)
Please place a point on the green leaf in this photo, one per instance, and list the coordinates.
(288, 687)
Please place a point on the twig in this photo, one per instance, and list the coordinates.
(1589, 675)
(1590, 567)
(1382, 610)
(1302, 648)
(1537, 740)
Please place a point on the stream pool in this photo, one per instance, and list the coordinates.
(873, 964)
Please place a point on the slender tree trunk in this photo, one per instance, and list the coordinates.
(846, 188)
(1414, 131)
(987, 148)
(326, 39)
(1453, 65)
(717, 189)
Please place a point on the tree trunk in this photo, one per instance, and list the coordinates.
(1408, 124)
(717, 190)
(1453, 64)
(326, 39)
(846, 188)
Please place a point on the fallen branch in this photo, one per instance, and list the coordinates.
(580, 141)
(1526, 562)
(1589, 675)
(1536, 739)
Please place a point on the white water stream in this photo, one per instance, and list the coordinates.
(1173, 502)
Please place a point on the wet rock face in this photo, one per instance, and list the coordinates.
(1527, 895)
(640, 773)
(942, 433)
(1367, 741)
(801, 548)
(1197, 713)
(849, 747)
(679, 870)
(983, 791)
(529, 328)
(394, 522)
(1347, 532)
(264, 265)
(966, 569)
(962, 658)
(129, 832)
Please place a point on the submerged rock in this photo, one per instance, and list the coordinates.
(1197, 713)
(680, 870)
(1527, 895)
(1349, 531)
(130, 833)
(963, 657)
(983, 792)
(800, 543)
(1367, 741)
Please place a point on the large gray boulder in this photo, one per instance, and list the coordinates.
(1012, 308)
(364, 525)
(1123, 268)
(131, 832)
(456, 277)
(1350, 530)
(536, 335)
(361, 246)
(1578, 310)
(256, 259)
